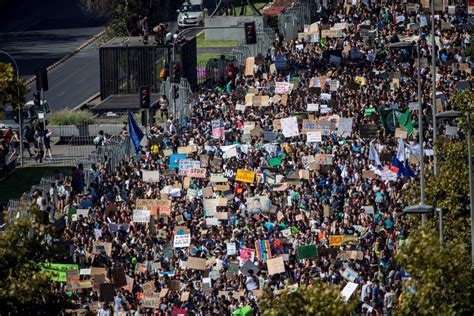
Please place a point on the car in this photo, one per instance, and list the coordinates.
(191, 14)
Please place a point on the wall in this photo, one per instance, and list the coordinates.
(234, 34)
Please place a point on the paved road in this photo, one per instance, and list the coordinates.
(38, 33)
(74, 81)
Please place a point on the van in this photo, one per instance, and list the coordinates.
(191, 13)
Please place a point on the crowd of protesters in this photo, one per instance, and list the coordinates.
(224, 136)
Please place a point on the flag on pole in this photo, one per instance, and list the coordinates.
(374, 155)
(135, 132)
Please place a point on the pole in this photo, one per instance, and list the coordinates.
(44, 109)
(433, 91)
(441, 237)
(471, 182)
(420, 136)
(19, 106)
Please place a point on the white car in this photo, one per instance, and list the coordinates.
(191, 14)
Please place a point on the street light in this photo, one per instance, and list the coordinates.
(421, 208)
(452, 115)
(19, 107)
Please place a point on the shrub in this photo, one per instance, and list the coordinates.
(67, 117)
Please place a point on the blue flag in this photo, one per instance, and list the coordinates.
(135, 132)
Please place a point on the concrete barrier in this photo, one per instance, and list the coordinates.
(226, 21)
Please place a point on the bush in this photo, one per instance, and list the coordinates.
(67, 117)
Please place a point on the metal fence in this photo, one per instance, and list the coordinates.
(179, 96)
(81, 150)
(265, 39)
(293, 20)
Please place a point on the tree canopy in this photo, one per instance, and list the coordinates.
(319, 299)
(12, 89)
(25, 289)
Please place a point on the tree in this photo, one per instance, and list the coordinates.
(12, 89)
(441, 276)
(25, 289)
(319, 299)
(450, 188)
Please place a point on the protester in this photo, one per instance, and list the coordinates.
(300, 182)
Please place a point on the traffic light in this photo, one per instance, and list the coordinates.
(250, 33)
(144, 97)
(37, 100)
(175, 72)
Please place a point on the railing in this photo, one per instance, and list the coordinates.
(179, 107)
(81, 150)
(265, 39)
(293, 20)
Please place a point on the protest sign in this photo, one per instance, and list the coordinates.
(196, 263)
(174, 160)
(231, 248)
(307, 252)
(181, 241)
(289, 126)
(141, 216)
(102, 247)
(313, 137)
(348, 290)
(275, 265)
(107, 292)
(73, 282)
(368, 130)
(246, 254)
(245, 176)
(118, 276)
(350, 275)
(197, 173)
(335, 240)
(282, 87)
(248, 266)
(249, 66)
(344, 128)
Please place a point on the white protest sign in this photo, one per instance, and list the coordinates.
(282, 87)
(150, 176)
(181, 241)
(344, 128)
(231, 249)
(388, 175)
(350, 275)
(312, 107)
(141, 216)
(289, 126)
(314, 137)
(348, 290)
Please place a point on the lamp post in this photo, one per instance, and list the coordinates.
(421, 208)
(452, 115)
(433, 92)
(19, 107)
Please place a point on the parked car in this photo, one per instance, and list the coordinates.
(191, 14)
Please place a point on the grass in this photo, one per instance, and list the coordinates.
(201, 42)
(21, 180)
(67, 117)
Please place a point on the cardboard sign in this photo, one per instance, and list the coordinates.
(368, 131)
(102, 247)
(401, 133)
(249, 66)
(260, 100)
(197, 173)
(245, 176)
(275, 265)
(195, 263)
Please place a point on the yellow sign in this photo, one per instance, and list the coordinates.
(245, 176)
(335, 240)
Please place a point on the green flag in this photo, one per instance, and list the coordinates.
(405, 122)
(390, 119)
(243, 311)
(274, 161)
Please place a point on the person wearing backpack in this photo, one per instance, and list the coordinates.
(99, 139)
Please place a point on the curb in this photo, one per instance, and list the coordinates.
(71, 54)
